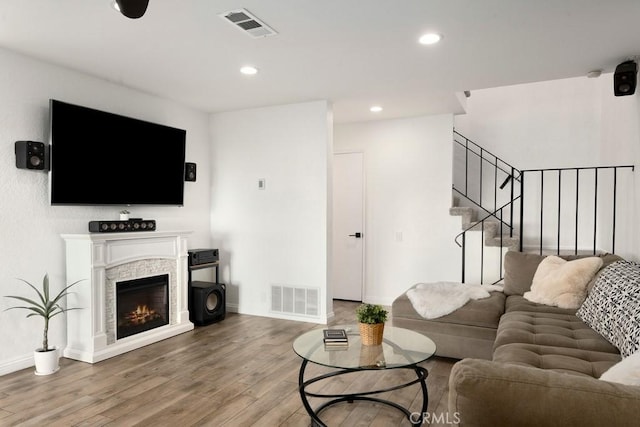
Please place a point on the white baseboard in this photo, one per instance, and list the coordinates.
(17, 364)
(370, 299)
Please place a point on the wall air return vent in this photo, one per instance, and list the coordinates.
(249, 24)
(295, 300)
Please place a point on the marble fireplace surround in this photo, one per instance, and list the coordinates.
(104, 259)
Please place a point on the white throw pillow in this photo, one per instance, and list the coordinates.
(626, 371)
(562, 283)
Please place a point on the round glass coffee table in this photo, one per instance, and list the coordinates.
(401, 349)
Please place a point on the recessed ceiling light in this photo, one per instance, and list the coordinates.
(249, 70)
(430, 38)
(375, 109)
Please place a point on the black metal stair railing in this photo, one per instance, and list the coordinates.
(483, 173)
(481, 225)
(589, 215)
(572, 209)
(483, 179)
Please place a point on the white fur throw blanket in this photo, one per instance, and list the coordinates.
(433, 300)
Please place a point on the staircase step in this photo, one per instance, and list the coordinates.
(468, 218)
(468, 214)
(493, 240)
(492, 234)
(506, 241)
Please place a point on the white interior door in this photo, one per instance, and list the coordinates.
(348, 226)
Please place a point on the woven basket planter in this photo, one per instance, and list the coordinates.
(371, 334)
(371, 356)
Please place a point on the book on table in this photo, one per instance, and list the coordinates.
(336, 342)
(336, 345)
(332, 335)
(335, 337)
(333, 347)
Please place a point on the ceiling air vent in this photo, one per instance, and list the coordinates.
(248, 23)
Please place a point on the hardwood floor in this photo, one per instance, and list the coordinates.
(238, 372)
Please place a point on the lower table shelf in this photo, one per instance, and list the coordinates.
(415, 418)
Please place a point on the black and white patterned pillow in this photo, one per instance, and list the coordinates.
(613, 306)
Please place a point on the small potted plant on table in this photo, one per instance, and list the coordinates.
(46, 358)
(371, 318)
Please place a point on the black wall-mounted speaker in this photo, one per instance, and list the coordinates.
(31, 155)
(189, 171)
(133, 9)
(208, 302)
(625, 78)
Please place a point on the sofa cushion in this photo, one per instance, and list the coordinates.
(467, 332)
(561, 283)
(562, 359)
(520, 267)
(483, 393)
(613, 306)
(519, 303)
(437, 299)
(607, 260)
(484, 312)
(550, 329)
(625, 372)
(453, 340)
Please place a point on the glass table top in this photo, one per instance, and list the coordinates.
(400, 348)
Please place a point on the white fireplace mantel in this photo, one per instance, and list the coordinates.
(99, 259)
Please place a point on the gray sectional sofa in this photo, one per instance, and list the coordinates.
(526, 364)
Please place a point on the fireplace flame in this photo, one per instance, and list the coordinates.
(142, 314)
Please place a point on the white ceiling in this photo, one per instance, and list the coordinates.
(352, 53)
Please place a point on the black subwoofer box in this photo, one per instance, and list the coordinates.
(208, 302)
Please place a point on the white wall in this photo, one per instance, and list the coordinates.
(563, 123)
(279, 235)
(30, 228)
(408, 192)
(552, 123)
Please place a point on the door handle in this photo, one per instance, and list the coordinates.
(357, 235)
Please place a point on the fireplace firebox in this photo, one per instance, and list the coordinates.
(141, 304)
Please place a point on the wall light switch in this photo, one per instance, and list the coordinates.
(262, 183)
(398, 236)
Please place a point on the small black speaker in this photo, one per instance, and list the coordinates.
(189, 171)
(625, 78)
(31, 155)
(208, 302)
(133, 9)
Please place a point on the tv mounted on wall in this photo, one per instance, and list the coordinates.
(101, 158)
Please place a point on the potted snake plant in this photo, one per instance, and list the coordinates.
(45, 306)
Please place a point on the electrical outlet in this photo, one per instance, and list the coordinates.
(262, 183)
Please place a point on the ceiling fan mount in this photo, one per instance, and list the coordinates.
(133, 9)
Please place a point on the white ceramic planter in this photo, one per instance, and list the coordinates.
(46, 361)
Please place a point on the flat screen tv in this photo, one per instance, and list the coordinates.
(101, 158)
